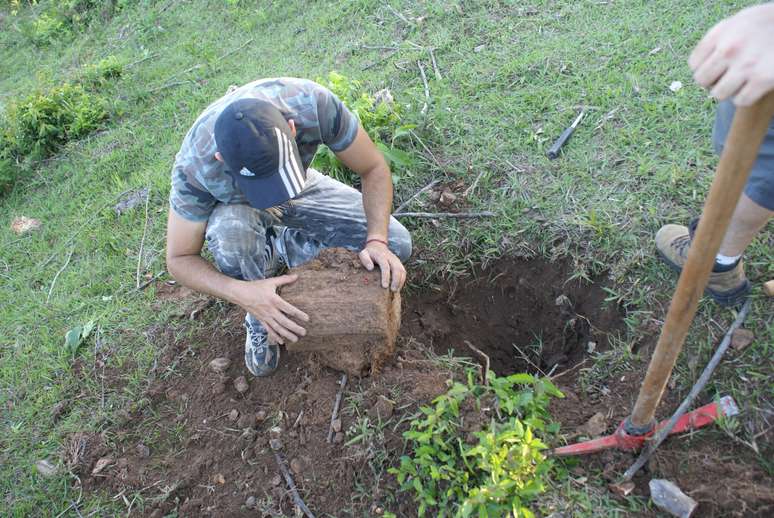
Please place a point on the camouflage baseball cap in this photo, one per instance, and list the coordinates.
(257, 147)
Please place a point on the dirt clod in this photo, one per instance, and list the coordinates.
(382, 410)
(58, 410)
(338, 438)
(260, 416)
(297, 466)
(233, 415)
(336, 425)
(46, 468)
(622, 489)
(595, 426)
(741, 338)
(241, 385)
(220, 365)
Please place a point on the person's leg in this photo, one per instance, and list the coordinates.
(748, 219)
(239, 238)
(330, 214)
(728, 284)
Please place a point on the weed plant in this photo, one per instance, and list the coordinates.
(381, 118)
(454, 470)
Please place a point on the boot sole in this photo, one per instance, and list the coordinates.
(726, 299)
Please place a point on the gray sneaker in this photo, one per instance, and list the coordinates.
(261, 357)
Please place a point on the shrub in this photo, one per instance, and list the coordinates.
(494, 472)
(42, 122)
(99, 73)
(380, 117)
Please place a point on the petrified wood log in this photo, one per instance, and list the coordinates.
(353, 321)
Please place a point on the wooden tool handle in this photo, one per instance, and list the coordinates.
(739, 154)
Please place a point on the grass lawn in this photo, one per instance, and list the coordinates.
(511, 76)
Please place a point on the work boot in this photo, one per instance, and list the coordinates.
(727, 285)
(261, 357)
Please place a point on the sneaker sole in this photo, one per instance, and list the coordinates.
(726, 299)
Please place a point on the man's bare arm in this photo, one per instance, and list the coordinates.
(365, 160)
(185, 263)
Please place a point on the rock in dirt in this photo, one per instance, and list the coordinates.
(260, 416)
(241, 385)
(101, 464)
(297, 466)
(220, 365)
(741, 338)
(336, 425)
(595, 426)
(46, 468)
(233, 415)
(671, 499)
(351, 316)
(142, 450)
(251, 501)
(622, 489)
(382, 409)
(447, 198)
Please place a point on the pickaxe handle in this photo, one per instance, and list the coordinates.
(739, 154)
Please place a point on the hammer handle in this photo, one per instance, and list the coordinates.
(739, 154)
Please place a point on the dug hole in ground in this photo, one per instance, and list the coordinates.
(198, 442)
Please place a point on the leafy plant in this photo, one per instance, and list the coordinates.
(492, 472)
(380, 116)
(99, 73)
(75, 337)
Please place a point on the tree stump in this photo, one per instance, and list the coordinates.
(353, 321)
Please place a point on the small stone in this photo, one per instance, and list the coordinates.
(623, 489)
(101, 464)
(220, 365)
(297, 466)
(275, 432)
(142, 450)
(384, 408)
(46, 468)
(671, 499)
(447, 198)
(336, 425)
(478, 48)
(338, 438)
(240, 384)
(219, 479)
(563, 301)
(246, 421)
(218, 388)
(675, 86)
(276, 480)
(250, 502)
(260, 416)
(741, 338)
(595, 426)
(591, 347)
(275, 444)
(58, 409)
(233, 415)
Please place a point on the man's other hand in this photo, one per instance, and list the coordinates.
(393, 272)
(736, 57)
(260, 299)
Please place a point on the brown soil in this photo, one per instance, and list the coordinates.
(196, 445)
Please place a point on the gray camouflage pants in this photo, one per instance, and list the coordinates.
(247, 243)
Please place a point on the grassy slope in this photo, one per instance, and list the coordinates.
(641, 158)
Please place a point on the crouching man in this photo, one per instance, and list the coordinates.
(242, 182)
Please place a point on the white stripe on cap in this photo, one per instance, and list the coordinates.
(289, 187)
(296, 169)
(289, 165)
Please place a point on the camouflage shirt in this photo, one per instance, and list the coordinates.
(199, 181)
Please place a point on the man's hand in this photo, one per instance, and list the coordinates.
(391, 267)
(736, 57)
(260, 299)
